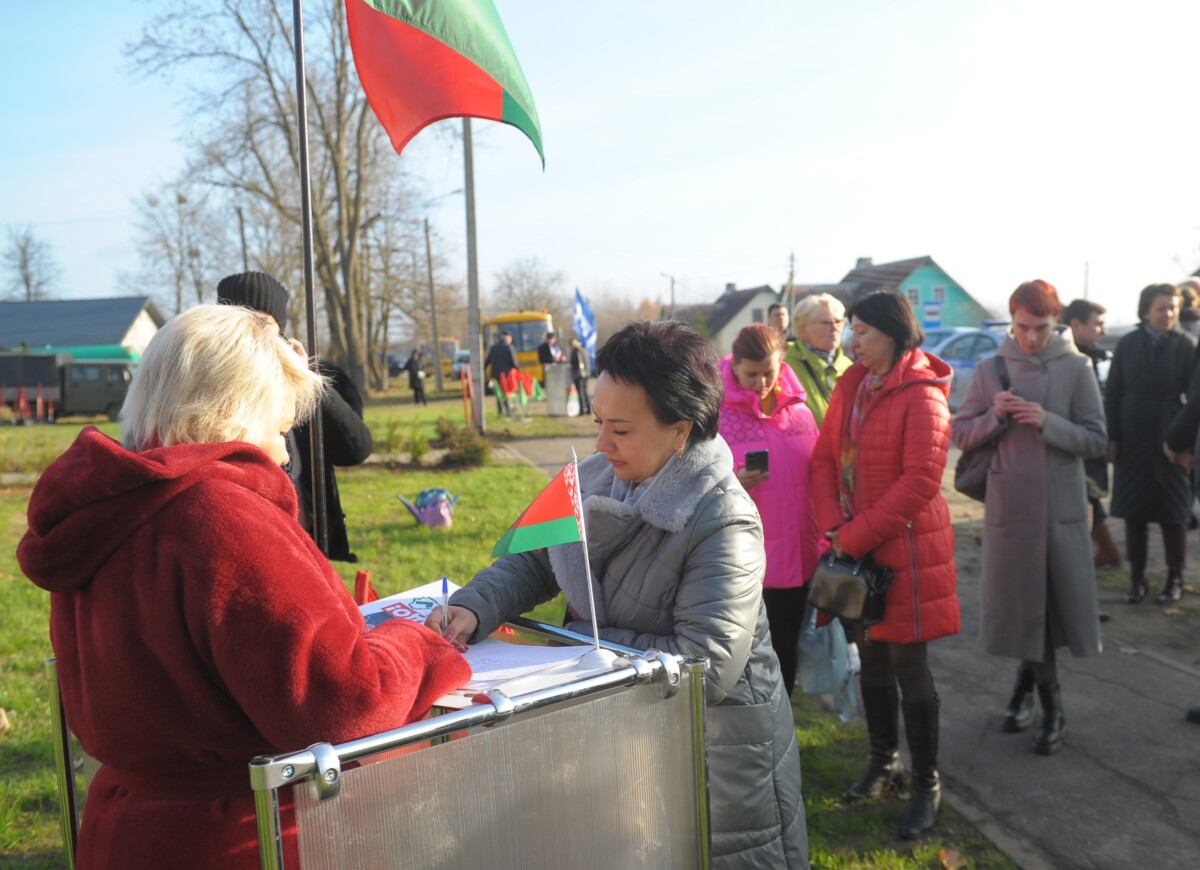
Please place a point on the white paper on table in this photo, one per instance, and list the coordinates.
(515, 669)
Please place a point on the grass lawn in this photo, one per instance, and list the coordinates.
(400, 555)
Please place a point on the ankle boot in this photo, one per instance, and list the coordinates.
(881, 708)
(1137, 589)
(1019, 714)
(1048, 739)
(1108, 555)
(1172, 592)
(921, 725)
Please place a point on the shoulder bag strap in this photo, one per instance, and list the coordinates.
(1002, 373)
(817, 379)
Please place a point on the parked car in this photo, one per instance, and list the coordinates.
(395, 365)
(962, 351)
(462, 362)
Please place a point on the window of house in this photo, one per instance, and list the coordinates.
(756, 316)
(914, 295)
(939, 293)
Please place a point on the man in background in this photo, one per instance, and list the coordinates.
(549, 351)
(500, 361)
(779, 318)
(1086, 320)
(347, 440)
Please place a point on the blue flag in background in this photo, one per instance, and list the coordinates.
(585, 328)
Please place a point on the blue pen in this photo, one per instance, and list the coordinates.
(445, 606)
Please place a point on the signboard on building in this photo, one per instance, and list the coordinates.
(931, 314)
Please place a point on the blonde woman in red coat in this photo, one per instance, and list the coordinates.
(195, 622)
(877, 475)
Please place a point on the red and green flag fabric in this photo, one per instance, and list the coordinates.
(422, 61)
(552, 518)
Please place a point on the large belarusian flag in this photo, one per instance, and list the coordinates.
(422, 61)
(551, 518)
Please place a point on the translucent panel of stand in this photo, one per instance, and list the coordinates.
(608, 781)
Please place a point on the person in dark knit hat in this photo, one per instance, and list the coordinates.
(347, 439)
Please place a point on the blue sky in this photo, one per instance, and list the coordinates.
(1009, 139)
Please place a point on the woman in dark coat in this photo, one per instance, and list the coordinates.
(877, 487)
(1146, 387)
(416, 377)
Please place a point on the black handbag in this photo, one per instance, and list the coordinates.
(854, 590)
(971, 470)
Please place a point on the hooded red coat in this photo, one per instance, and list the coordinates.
(900, 517)
(197, 625)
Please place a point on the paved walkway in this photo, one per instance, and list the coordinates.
(1123, 793)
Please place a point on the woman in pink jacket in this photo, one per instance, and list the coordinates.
(764, 410)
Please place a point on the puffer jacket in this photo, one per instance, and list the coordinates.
(810, 371)
(900, 517)
(788, 434)
(681, 571)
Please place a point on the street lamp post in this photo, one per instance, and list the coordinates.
(437, 345)
(672, 277)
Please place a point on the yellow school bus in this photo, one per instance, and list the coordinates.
(528, 329)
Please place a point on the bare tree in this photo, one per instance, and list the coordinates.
(247, 105)
(528, 285)
(31, 270)
(183, 241)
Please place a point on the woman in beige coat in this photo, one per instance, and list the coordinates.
(1038, 589)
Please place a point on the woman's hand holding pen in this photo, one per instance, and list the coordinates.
(461, 626)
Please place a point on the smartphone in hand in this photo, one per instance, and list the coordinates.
(756, 460)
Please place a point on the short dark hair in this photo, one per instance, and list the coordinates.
(891, 314)
(1038, 297)
(771, 308)
(756, 342)
(1149, 294)
(675, 365)
(1082, 310)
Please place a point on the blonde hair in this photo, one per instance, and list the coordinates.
(810, 306)
(217, 373)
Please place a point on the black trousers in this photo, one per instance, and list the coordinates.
(885, 664)
(581, 387)
(785, 616)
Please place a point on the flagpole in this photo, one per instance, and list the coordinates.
(597, 657)
(474, 326)
(320, 517)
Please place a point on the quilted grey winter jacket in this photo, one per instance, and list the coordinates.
(681, 571)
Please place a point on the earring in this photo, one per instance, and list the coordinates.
(680, 451)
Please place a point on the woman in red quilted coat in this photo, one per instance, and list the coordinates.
(195, 622)
(877, 476)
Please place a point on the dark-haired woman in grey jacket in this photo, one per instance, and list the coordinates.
(676, 551)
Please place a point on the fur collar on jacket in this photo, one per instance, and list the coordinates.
(678, 489)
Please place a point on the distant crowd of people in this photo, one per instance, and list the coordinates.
(191, 598)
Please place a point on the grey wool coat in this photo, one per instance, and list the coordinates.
(1037, 547)
(681, 570)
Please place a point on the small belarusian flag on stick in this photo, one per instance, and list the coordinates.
(556, 517)
(552, 518)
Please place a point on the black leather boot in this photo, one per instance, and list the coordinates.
(921, 724)
(1048, 739)
(1172, 592)
(881, 708)
(1019, 714)
(1137, 589)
